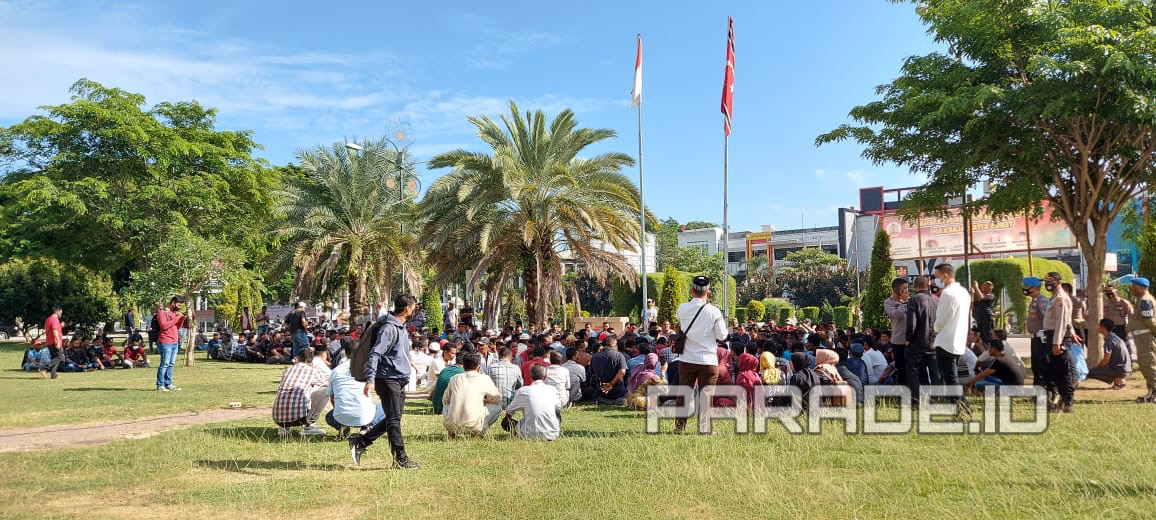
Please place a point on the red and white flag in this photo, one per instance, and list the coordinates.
(636, 92)
(728, 93)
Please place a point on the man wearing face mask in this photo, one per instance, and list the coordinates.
(1144, 330)
(1035, 326)
(1120, 311)
(952, 323)
(1061, 372)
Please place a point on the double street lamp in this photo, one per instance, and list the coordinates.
(401, 183)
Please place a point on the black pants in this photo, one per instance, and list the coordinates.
(986, 330)
(948, 364)
(392, 394)
(1040, 355)
(900, 363)
(921, 361)
(1061, 370)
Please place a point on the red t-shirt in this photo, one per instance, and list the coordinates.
(170, 323)
(54, 332)
(134, 353)
(526, 367)
(108, 352)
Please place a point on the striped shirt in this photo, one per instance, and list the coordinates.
(293, 401)
(508, 378)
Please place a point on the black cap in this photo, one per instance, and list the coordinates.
(178, 299)
(701, 282)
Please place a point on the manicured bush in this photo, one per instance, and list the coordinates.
(786, 313)
(810, 312)
(741, 314)
(842, 317)
(880, 274)
(755, 311)
(1008, 274)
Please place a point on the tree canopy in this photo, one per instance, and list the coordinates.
(1046, 100)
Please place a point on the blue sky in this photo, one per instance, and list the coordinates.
(306, 73)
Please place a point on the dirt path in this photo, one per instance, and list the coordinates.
(75, 435)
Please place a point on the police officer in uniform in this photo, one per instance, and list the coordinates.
(1144, 332)
(1119, 310)
(1057, 338)
(1035, 324)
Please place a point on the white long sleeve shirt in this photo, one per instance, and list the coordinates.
(539, 403)
(702, 338)
(953, 319)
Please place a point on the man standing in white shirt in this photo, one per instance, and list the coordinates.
(952, 323)
(704, 327)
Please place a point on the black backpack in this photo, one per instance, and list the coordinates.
(155, 328)
(365, 345)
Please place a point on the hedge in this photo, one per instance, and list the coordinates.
(786, 313)
(811, 312)
(741, 314)
(1008, 274)
(628, 303)
(842, 317)
(773, 306)
(755, 310)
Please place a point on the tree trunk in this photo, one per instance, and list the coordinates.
(1095, 259)
(358, 306)
(189, 342)
(533, 304)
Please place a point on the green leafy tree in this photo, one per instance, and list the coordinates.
(31, 287)
(880, 274)
(432, 303)
(696, 260)
(350, 218)
(1049, 101)
(1140, 229)
(811, 288)
(668, 301)
(514, 210)
(810, 259)
(666, 243)
(756, 310)
(699, 224)
(827, 312)
(185, 264)
(95, 182)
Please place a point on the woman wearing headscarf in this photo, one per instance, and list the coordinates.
(642, 378)
(768, 370)
(726, 360)
(748, 376)
(825, 363)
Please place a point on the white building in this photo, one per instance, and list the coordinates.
(755, 243)
(631, 257)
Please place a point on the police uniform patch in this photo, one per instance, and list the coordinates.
(1146, 309)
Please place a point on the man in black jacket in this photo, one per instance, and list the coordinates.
(920, 352)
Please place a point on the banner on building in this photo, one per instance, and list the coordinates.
(932, 237)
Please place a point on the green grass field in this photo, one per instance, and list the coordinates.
(1094, 463)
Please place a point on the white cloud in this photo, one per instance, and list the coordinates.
(857, 177)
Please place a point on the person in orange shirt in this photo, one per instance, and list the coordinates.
(54, 340)
(170, 320)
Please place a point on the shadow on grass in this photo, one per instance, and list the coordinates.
(104, 389)
(592, 433)
(249, 433)
(1091, 489)
(245, 465)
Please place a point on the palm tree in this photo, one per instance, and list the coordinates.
(513, 212)
(344, 220)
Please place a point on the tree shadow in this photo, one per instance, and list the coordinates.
(103, 389)
(592, 433)
(1091, 488)
(249, 433)
(244, 466)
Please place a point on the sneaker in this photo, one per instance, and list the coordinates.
(283, 432)
(162, 389)
(312, 430)
(1067, 407)
(172, 388)
(356, 449)
(406, 463)
(1150, 398)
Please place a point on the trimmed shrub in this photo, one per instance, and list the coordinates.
(810, 312)
(842, 317)
(741, 314)
(786, 313)
(755, 311)
(1008, 274)
(880, 274)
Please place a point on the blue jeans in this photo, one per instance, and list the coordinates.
(300, 341)
(165, 368)
(988, 381)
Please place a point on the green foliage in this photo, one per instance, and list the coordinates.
(699, 224)
(786, 313)
(666, 243)
(346, 219)
(716, 292)
(880, 274)
(826, 312)
(514, 209)
(237, 296)
(814, 286)
(758, 284)
(668, 301)
(627, 301)
(812, 258)
(696, 260)
(1045, 101)
(96, 182)
(842, 317)
(1141, 231)
(185, 264)
(1007, 274)
(596, 296)
(31, 287)
(741, 314)
(811, 313)
(432, 303)
(756, 310)
(774, 307)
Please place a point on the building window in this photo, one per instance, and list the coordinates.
(736, 256)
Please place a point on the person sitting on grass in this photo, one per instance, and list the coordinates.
(642, 378)
(275, 352)
(351, 407)
(215, 346)
(109, 355)
(559, 377)
(443, 380)
(135, 356)
(470, 400)
(96, 354)
(75, 358)
(1002, 371)
(541, 414)
(36, 358)
(301, 397)
(1116, 362)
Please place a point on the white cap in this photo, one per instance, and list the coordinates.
(300, 305)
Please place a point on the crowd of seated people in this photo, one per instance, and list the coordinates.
(86, 355)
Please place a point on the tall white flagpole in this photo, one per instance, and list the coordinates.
(637, 98)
